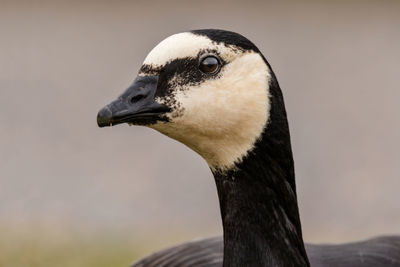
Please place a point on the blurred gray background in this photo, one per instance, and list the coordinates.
(338, 63)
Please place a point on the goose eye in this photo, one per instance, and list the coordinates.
(209, 65)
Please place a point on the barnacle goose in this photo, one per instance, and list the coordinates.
(215, 92)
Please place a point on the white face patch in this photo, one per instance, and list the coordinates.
(184, 45)
(221, 117)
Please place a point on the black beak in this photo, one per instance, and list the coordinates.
(136, 105)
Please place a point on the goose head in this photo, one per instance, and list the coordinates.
(208, 89)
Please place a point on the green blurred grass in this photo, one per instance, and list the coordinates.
(40, 248)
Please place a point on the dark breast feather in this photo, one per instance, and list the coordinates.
(376, 252)
(206, 252)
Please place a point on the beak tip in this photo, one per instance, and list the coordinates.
(104, 117)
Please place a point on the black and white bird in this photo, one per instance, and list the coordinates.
(215, 92)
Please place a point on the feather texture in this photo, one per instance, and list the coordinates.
(376, 252)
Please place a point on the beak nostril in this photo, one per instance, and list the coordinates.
(136, 98)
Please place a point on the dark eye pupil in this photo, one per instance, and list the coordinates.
(209, 65)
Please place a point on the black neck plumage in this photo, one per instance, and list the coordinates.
(258, 199)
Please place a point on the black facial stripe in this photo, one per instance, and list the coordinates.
(184, 71)
(179, 72)
(149, 69)
(227, 38)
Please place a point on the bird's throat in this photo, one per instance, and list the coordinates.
(258, 199)
(261, 226)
